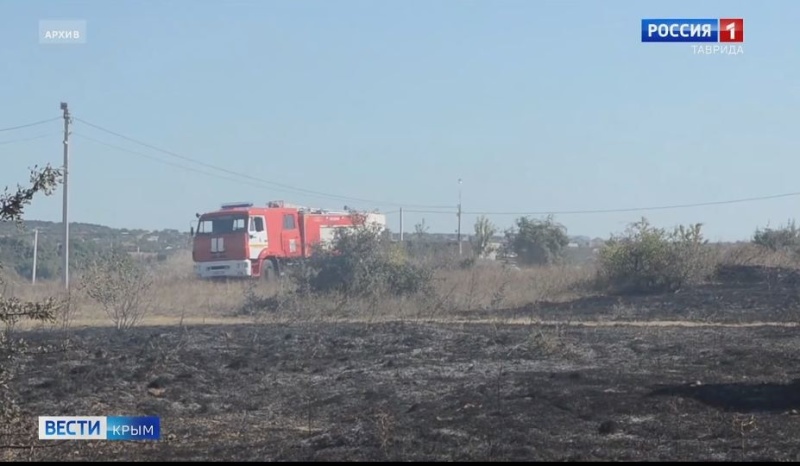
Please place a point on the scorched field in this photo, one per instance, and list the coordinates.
(690, 376)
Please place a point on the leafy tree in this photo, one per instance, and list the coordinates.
(538, 242)
(12, 310)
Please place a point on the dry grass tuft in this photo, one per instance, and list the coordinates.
(748, 254)
(181, 298)
(492, 286)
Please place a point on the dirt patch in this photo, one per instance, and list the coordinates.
(401, 391)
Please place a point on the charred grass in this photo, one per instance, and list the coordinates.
(402, 391)
(474, 374)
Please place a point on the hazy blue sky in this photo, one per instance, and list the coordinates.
(537, 105)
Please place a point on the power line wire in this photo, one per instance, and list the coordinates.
(608, 211)
(176, 165)
(410, 208)
(258, 180)
(28, 125)
(166, 162)
(12, 141)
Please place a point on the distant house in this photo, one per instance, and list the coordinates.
(597, 243)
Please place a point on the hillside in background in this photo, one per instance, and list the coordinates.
(86, 241)
(90, 240)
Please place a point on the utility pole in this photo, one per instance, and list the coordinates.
(459, 217)
(35, 253)
(401, 224)
(65, 207)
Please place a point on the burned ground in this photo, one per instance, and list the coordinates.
(405, 391)
(475, 386)
(739, 294)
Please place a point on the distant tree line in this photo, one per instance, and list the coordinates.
(86, 245)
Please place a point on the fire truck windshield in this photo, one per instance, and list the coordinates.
(221, 224)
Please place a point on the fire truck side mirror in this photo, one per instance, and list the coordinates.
(191, 231)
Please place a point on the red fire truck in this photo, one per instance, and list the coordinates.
(243, 240)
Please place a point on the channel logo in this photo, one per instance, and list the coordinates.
(99, 428)
(693, 30)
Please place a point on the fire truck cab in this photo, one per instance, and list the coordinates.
(243, 240)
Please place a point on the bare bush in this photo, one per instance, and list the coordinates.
(121, 285)
(484, 232)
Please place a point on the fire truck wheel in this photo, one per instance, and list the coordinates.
(267, 270)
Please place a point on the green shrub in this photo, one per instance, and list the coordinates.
(646, 259)
(784, 238)
(538, 242)
(362, 262)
